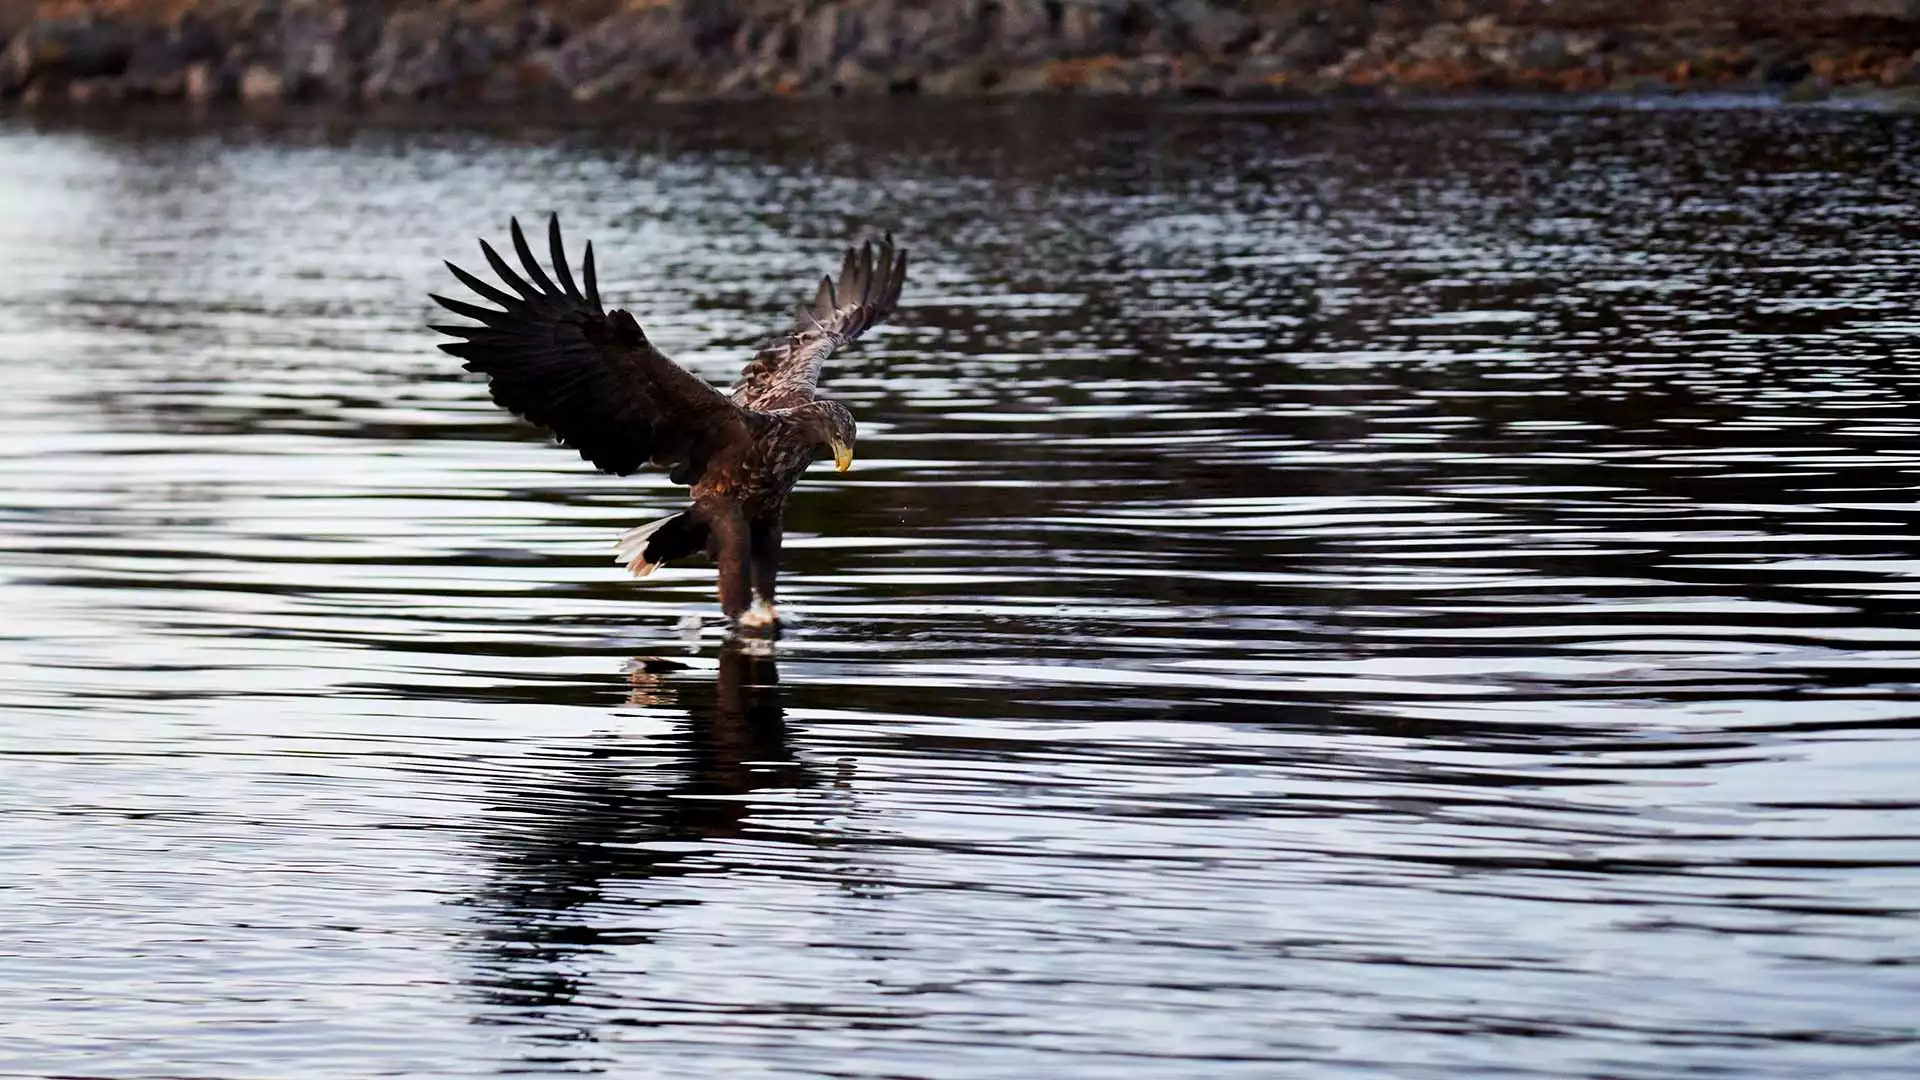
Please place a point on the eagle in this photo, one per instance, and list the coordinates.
(553, 356)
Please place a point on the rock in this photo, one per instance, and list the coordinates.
(1784, 69)
(949, 35)
(156, 85)
(646, 45)
(1583, 46)
(1372, 63)
(1441, 43)
(1133, 76)
(1309, 48)
(779, 42)
(428, 53)
(211, 80)
(537, 30)
(261, 83)
(1091, 28)
(1199, 80)
(755, 79)
(1108, 80)
(965, 78)
(1904, 99)
(1488, 30)
(1724, 66)
(313, 58)
(833, 33)
(1022, 28)
(854, 79)
(1546, 51)
(900, 40)
(1636, 85)
(1083, 75)
(1648, 57)
(1258, 76)
(750, 38)
(1843, 65)
(64, 51)
(306, 48)
(615, 84)
(512, 50)
(158, 65)
(1806, 91)
(534, 77)
(95, 91)
(1212, 29)
(1027, 81)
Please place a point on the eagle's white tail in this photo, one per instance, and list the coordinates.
(632, 548)
(677, 536)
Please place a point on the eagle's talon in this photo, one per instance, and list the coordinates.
(759, 617)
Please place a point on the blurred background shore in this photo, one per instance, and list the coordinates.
(608, 51)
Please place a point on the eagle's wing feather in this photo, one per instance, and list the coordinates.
(553, 356)
(785, 373)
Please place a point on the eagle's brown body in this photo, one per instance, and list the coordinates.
(553, 356)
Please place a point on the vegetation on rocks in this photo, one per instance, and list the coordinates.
(605, 50)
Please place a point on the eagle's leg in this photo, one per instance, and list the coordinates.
(766, 534)
(733, 551)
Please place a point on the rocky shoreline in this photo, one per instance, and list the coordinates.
(607, 51)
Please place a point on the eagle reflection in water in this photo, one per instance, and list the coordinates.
(592, 847)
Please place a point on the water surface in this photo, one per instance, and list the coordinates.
(1322, 594)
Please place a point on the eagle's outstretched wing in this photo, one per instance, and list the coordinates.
(553, 356)
(783, 374)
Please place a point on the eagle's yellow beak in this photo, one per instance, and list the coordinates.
(842, 457)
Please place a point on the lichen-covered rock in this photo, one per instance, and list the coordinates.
(63, 51)
(636, 50)
(159, 61)
(1024, 81)
(1900, 70)
(761, 78)
(97, 90)
(1097, 75)
(1904, 99)
(300, 51)
(621, 50)
(432, 52)
(212, 80)
(1211, 28)
(854, 79)
(829, 36)
(1095, 28)
(1022, 27)
(261, 83)
(1543, 52)
(1808, 90)
(533, 77)
(1307, 48)
(966, 78)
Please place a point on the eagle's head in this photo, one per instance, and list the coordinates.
(831, 426)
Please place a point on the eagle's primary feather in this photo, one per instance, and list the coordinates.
(787, 371)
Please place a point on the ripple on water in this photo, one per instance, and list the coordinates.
(1353, 594)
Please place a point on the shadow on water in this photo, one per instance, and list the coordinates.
(574, 845)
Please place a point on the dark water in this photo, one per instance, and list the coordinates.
(1371, 594)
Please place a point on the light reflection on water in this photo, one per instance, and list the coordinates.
(1325, 594)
